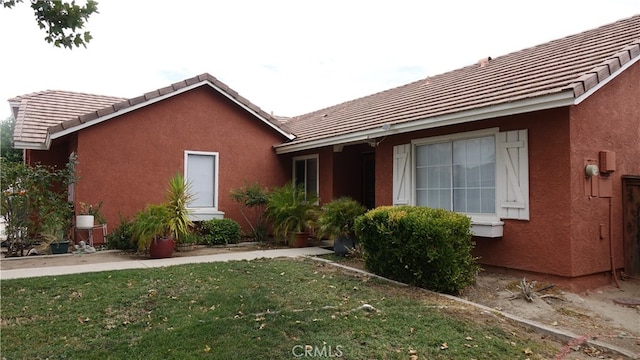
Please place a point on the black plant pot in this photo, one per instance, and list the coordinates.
(60, 247)
(342, 245)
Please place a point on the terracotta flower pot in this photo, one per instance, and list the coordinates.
(162, 248)
(301, 240)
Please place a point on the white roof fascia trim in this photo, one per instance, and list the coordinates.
(564, 98)
(606, 80)
(155, 100)
(336, 140)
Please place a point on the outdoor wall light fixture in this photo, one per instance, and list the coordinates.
(591, 170)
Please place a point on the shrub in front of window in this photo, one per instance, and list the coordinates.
(221, 232)
(425, 247)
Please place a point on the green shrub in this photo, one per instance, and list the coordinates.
(221, 231)
(429, 248)
(120, 237)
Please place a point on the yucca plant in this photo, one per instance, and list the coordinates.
(169, 220)
(178, 197)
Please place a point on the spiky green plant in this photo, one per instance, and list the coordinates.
(291, 210)
(167, 220)
(178, 197)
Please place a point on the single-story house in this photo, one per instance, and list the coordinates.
(540, 147)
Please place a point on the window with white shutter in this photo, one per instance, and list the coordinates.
(483, 174)
(513, 175)
(402, 174)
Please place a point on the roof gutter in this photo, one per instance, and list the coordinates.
(87, 124)
(563, 98)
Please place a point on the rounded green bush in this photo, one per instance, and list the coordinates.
(221, 231)
(429, 248)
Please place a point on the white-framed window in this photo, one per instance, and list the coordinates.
(457, 174)
(201, 172)
(305, 173)
(483, 174)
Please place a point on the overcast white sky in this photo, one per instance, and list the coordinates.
(288, 57)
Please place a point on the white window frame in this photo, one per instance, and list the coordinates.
(205, 213)
(450, 139)
(305, 158)
(485, 224)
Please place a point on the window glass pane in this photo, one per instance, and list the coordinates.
(433, 198)
(488, 200)
(421, 197)
(299, 172)
(421, 155)
(444, 154)
(459, 200)
(473, 176)
(473, 200)
(312, 176)
(444, 178)
(433, 176)
(421, 178)
(459, 176)
(488, 150)
(445, 199)
(305, 173)
(200, 174)
(488, 175)
(433, 154)
(473, 151)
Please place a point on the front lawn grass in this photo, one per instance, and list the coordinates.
(267, 309)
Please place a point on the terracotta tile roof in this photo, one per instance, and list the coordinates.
(171, 90)
(50, 113)
(574, 64)
(36, 112)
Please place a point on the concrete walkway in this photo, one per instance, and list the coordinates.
(154, 263)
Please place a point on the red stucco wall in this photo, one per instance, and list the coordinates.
(562, 240)
(542, 243)
(607, 120)
(126, 162)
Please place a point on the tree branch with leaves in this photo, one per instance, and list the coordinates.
(62, 21)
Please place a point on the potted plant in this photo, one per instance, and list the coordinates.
(187, 242)
(159, 226)
(292, 213)
(88, 215)
(337, 219)
(55, 228)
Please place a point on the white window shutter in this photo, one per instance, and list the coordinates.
(402, 174)
(512, 181)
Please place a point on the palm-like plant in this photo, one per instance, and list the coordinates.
(149, 225)
(167, 220)
(178, 197)
(337, 217)
(290, 210)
